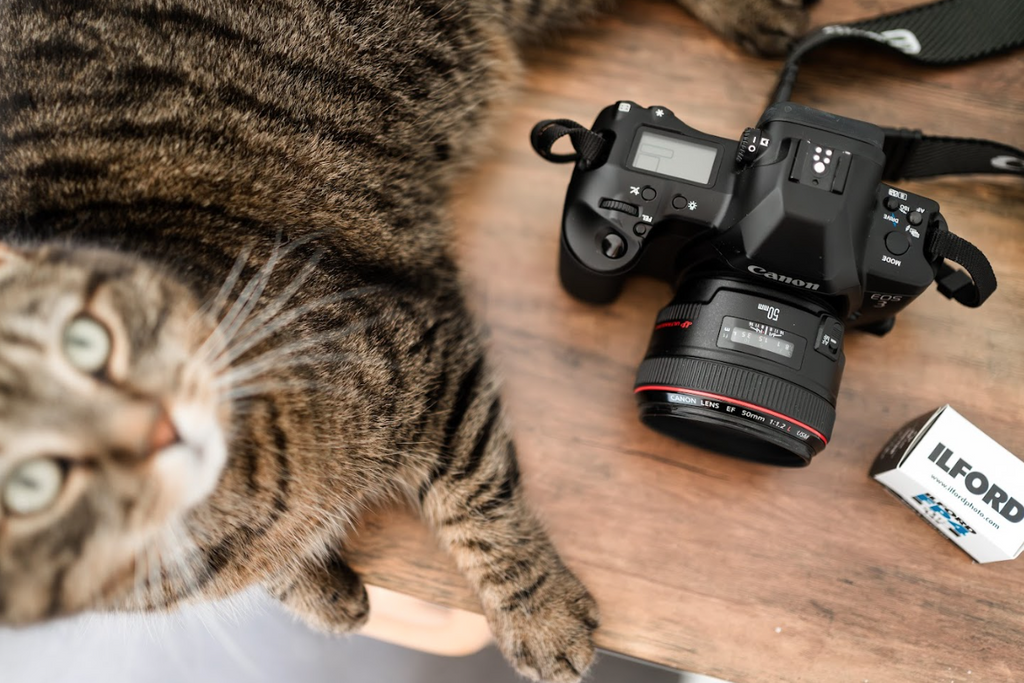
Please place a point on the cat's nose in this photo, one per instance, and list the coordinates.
(136, 432)
(163, 433)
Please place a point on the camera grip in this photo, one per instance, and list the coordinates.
(582, 282)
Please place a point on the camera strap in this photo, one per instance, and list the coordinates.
(589, 145)
(953, 283)
(941, 33)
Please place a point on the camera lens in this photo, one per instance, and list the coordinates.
(743, 369)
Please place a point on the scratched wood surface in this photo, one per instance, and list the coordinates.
(699, 561)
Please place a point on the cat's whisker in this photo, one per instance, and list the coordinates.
(209, 617)
(236, 324)
(238, 393)
(253, 291)
(255, 370)
(284, 356)
(238, 320)
(266, 324)
(246, 301)
(288, 356)
(157, 574)
(146, 595)
(182, 551)
(164, 576)
(281, 300)
(243, 344)
(215, 305)
(138, 600)
(133, 601)
(215, 341)
(160, 586)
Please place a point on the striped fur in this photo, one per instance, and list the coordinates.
(250, 198)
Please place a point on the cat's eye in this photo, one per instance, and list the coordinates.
(87, 344)
(33, 486)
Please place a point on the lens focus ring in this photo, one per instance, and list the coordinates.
(741, 384)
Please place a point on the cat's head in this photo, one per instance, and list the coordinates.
(111, 427)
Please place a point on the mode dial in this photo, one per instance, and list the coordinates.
(748, 146)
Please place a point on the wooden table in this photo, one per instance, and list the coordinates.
(706, 563)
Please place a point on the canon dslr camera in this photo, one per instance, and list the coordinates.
(775, 244)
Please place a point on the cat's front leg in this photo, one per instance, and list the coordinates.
(541, 615)
(324, 592)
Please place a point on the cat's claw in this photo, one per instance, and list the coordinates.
(328, 596)
(773, 28)
(761, 27)
(552, 640)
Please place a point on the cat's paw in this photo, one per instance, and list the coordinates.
(548, 637)
(762, 27)
(328, 596)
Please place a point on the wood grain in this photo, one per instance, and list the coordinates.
(699, 561)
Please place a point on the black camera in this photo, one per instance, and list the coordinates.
(776, 244)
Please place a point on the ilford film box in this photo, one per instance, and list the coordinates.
(961, 481)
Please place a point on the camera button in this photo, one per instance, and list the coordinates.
(640, 229)
(892, 203)
(830, 336)
(649, 193)
(897, 243)
(679, 202)
(916, 218)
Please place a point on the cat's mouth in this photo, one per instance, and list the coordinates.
(189, 468)
(182, 474)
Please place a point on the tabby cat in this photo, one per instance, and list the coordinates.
(229, 317)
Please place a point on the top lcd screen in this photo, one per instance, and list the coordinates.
(675, 157)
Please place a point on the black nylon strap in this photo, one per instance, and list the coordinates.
(910, 154)
(953, 283)
(588, 144)
(952, 31)
(944, 32)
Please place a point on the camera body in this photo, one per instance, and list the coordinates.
(797, 203)
(775, 244)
